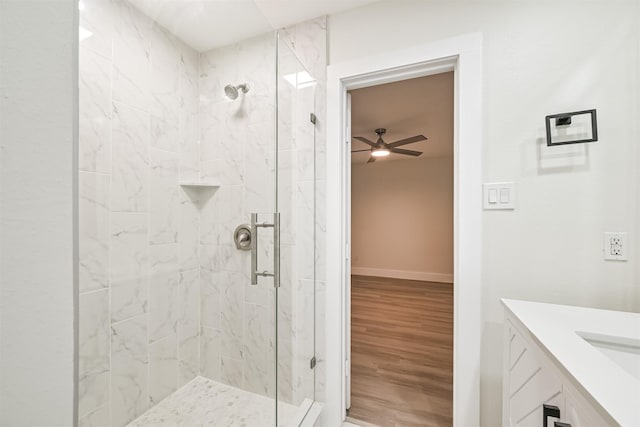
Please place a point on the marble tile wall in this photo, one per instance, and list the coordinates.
(237, 148)
(139, 256)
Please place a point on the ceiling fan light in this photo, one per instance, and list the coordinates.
(380, 152)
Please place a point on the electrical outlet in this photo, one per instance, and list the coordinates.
(615, 246)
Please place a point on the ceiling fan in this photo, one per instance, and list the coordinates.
(382, 149)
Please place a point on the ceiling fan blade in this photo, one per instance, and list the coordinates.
(358, 151)
(371, 159)
(407, 141)
(406, 152)
(366, 141)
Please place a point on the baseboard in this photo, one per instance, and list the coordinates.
(401, 274)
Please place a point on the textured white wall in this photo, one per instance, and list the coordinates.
(38, 86)
(539, 58)
(402, 216)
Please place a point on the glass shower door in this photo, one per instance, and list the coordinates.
(296, 206)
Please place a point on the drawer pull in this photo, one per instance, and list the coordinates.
(550, 411)
(559, 424)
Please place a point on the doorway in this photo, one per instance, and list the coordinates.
(401, 240)
(463, 56)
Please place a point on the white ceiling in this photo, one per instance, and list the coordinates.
(406, 108)
(207, 24)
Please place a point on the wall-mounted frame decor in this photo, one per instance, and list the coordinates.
(572, 128)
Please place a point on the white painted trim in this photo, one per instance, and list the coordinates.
(463, 55)
(403, 274)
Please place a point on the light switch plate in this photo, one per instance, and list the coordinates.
(499, 195)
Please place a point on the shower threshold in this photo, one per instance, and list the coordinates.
(203, 403)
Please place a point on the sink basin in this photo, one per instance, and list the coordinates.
(625, 352)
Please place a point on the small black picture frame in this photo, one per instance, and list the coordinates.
(564, 119)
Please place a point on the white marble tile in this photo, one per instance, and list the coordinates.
(303, 345)
(287, 195)
(129, 298)
(94, 132)
(164, 76)
(93, 391)
(188, 231)
(131, 56)
(231, 259)
(165, 133)
(188, 326)
(320, 341)
(189, 300)
(209, 258)
(93, 335)
(256, 354)
(285, 370)
(97, 418)
(93, 351)
(189, 359)
(130, 163)
(189, 131)
(129, 243)
(218, 67)
(98, 19)
(305, 225)
(259, 180)
(189, 76)
(310, 45)
(163, 368)
(203, 402)
(163, 291)
(305, 165)
(321, 232)
(232, 212)
(210, 299)
(285, 297)
(231, 371)
(255, 294)
(232, 292)
(303, 129)
(129, 365)
(189, 145)
(223, 143)
(211, 218)
(93, 231)
(210, 360)
(164, 197)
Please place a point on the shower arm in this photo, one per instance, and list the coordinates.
(276, 249)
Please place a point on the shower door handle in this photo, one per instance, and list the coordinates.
(276, 249)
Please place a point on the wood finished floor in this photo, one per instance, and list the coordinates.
(401, 352)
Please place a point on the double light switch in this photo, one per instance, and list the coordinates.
(499, 195)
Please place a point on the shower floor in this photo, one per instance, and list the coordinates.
(203, 402)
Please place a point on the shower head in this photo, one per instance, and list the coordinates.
(232, 91)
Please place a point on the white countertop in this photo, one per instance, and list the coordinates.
(560, 329)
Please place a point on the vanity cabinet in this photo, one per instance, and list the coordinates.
(532, 379)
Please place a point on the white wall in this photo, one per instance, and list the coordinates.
(539, 58)
(402, 218)
(38, 87)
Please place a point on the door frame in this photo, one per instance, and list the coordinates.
(463, 55)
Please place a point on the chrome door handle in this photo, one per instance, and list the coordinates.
(276, 249)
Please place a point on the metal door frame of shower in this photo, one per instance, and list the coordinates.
(463, 55)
